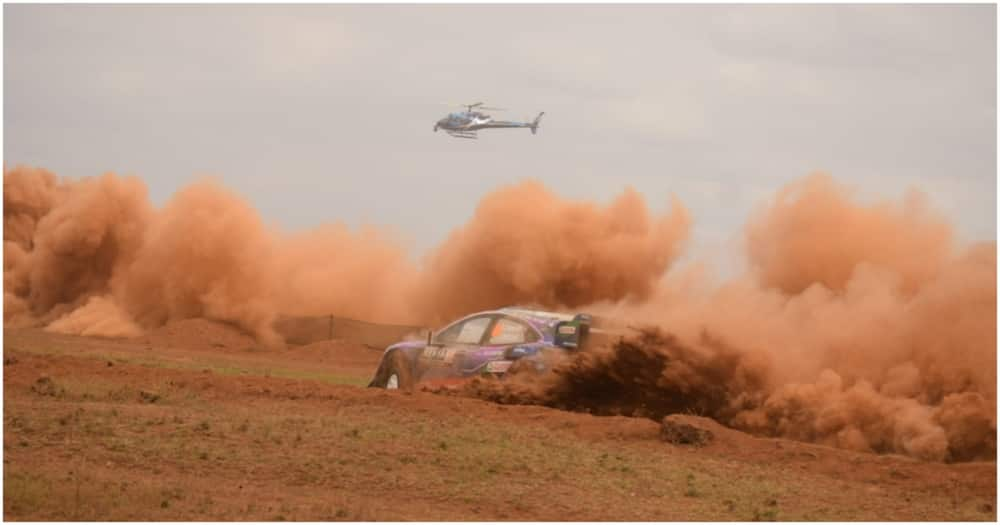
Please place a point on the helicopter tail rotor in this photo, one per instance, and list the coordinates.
(534, 124)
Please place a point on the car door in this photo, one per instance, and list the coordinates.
(444, 357)
(508, 339)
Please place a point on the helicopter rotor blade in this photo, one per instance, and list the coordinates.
(477, 105)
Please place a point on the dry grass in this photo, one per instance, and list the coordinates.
(140, 441)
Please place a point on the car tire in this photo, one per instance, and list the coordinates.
(523, 368)
(396, 373)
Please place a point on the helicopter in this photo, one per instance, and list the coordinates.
(465, 124)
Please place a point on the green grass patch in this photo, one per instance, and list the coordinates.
(213, 364)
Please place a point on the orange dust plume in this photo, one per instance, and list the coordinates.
(65, 241)
(879, 338)
(525, 245)
(813, 233)
(862, 326)
(92, 256)
(80, 248)
(99, 316)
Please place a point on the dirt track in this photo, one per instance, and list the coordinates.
(195, 422)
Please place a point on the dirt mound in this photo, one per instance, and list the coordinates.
(337, 351)
(338, 346)
(200, 333)
(304, 330)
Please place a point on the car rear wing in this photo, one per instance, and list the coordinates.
(586, 330)
(572, 334)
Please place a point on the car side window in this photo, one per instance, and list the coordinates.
(508, 332)
(469, 332)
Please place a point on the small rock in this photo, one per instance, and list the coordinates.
(45, 386)
(110, 363)
(149, 397)
(680, 433)
(10, 360)
(986, 508)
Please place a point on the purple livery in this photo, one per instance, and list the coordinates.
(494, 342)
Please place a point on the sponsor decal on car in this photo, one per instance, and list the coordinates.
(440, 354)
(498, 367)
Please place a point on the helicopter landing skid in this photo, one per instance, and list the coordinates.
(464, 134)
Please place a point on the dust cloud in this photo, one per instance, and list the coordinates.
(813, 234)
(99, 316)
(66, 241)
(207, 254)
(525, 245)
(880, 339)
(862, 326)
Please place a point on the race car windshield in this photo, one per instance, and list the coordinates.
(509, 331)
(469, 332)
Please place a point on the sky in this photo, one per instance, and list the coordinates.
(324, 113)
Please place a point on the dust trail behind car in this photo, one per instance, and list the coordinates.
(891, 348)
(654, 374)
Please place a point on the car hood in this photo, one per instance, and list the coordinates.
(407, 344)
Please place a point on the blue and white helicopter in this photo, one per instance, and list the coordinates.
(465, 124)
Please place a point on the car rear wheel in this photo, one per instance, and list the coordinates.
(523, 368)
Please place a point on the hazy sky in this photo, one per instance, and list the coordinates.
(324, 113)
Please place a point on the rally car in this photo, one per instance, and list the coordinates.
(492, 343)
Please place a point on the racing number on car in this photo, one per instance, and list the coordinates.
(440, 354)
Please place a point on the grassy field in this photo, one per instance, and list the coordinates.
(108, 430)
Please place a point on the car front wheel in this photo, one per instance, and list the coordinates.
(396, 373)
